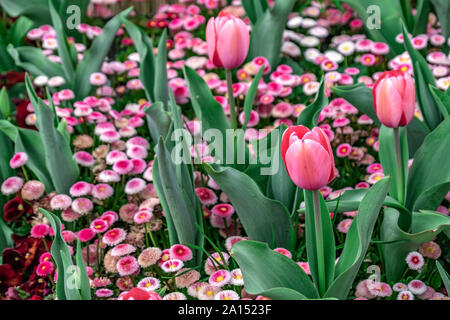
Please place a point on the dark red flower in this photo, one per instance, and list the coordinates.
(8, 277)
(15, 208)
(14, 258)
(22, 113)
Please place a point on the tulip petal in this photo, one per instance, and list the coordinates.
(299, 131)
(389, 104)
(233, 43)
(308, 164)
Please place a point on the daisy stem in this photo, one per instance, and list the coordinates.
(400, 169)
(319, 242)
(146, 235)
(231, 99)
(25, 173)
(45, 245)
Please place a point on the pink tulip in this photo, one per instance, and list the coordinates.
(308, 157)
(394, 98)
(228, 41)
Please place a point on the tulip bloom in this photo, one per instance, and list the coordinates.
(394, 98)
(308, 157)
(228, 41)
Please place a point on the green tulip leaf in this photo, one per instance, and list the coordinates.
(271, 274)
(263, 219)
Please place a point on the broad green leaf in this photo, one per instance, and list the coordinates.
(423, 77)
(416, 132)
(35, 62)
(5, 232)
(442, 100)
(350, 200)
(207, 109)
(266, 271)
(181, 211)
(444, 276)
(267, 33)
(36, 10)
(426, 225)
(5, 109)
(319, 242)
(58, 154)
(360, 96)
(358, 240)
(388, 28)
(158, 121)
(255, 9)
(63, 45)
(144, 48)
(95, 55)
(173, 237)
(263, 219)
(58, 250)
(430, 170)
(16, 36)
(310, 115)
(421, 17)
(161, 86)
(250, 97)
(29, 141)
(85, 289)
(209, 112)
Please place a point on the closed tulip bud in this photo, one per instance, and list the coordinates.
(308, 157)
(228, 41)
(394, 98)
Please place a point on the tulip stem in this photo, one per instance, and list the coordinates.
(319, 242)
(231, 99)
(400, 169)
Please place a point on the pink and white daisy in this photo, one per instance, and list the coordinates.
(415, 260)
(399, 287)
(149, 284)
(227, 295)
(60, 202)
(230, 241)
(137, 152)
(122, 249)
(11, 185)
(344, 225)
(135, 185)
(108, 176)
(206, 196)
(114, 236)
(86, 234)
(39, 230)
(82, 206)
(223, 210)
(127, 266)
(215, 259)
(175, 296)
(19, 159)
(99, 225)
(405, 295)
(180, 252)
(104, 293)
(430, 250)
(305, 267)
(172, 265)
(102, 191)
(97, 79)
(343, 150)
(236, 277)
(109, 136)
(220, 278)
(80, 189)
(45, 268)
(417, 287)
(123, 166)
(143, 216)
